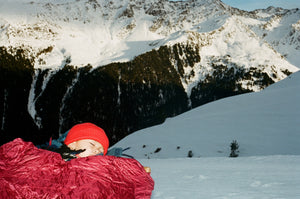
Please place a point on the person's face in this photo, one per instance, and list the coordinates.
(91, 147)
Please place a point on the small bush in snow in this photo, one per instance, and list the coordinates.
(190, 154)
(234, 146)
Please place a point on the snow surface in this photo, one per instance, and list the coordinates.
(264, 177)
(266, 127)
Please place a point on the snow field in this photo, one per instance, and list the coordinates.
(266, 127)
(260, 177)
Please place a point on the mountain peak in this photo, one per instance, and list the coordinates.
(99, 32)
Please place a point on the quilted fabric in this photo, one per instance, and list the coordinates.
(29, 172)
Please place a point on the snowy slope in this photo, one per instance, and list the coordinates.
(281, 31)
(234, 45)
(266, 126)
(263, 123)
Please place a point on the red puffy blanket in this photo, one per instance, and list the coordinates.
(29, 172)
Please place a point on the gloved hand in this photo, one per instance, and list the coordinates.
(118, 152)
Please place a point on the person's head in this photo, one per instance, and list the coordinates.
(87, 136)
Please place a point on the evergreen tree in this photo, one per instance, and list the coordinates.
(234, 146)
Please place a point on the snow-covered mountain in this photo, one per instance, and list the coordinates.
(99, 32)
(132, 63)
(263, 123)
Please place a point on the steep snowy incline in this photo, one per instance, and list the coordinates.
(233, 45)
(281, 29)
(263, 123)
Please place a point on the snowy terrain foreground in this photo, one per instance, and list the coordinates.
(266, 126)
(261, 177)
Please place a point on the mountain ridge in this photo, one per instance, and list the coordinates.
(113, 24)
(131, 64)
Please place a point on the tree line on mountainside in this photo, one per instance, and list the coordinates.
(119, 97)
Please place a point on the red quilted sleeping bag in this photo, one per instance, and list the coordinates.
(29, 172)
